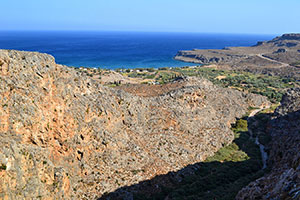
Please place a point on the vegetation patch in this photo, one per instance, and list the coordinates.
(2, 167)
(272, 87)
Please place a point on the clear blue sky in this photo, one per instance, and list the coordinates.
(219, 16)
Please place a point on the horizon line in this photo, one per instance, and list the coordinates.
(135, 31)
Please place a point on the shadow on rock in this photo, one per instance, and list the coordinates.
(231, 169)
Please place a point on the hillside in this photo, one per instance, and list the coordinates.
(66, 136)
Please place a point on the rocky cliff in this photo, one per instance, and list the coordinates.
(65, 136)
(283, 182)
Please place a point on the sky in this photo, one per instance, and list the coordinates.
(210, 16)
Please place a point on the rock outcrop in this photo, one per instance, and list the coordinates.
(288, 36)
(65, 136)
(283, 182)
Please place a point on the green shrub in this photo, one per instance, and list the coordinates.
(2, 167)
(241, 125)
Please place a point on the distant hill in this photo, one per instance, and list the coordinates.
(279, 56)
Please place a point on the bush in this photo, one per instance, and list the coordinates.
(242, 125)
(150, 69)
(2, 167)
(163, 68)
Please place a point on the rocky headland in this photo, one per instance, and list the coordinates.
(66, 136)
(279, 56)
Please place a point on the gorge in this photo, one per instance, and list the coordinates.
(66, 135)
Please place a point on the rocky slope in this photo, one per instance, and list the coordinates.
(276, 56)
(65, 136)
(283, 182)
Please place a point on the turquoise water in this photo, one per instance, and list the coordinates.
(120, 49)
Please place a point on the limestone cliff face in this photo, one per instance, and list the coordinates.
(64, 135)
(283, 182)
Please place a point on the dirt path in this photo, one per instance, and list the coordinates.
(264, 154)
(271, 60)
(254, 112)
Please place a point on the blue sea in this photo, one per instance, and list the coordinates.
(120, 49)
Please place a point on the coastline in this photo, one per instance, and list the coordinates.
(120, 49)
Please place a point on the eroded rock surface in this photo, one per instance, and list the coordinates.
(65, 136)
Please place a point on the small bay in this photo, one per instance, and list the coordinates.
(120, 49)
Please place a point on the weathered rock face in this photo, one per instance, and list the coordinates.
(283, 182)
(64, 136)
